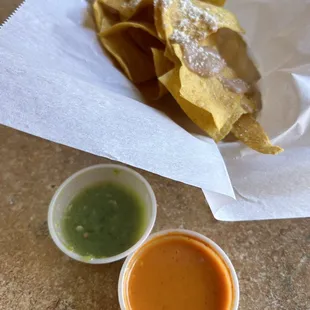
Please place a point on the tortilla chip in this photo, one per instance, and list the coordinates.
(194, 19)
(234, 50)
(145, 38)
(161, 62)
(209, 94)
(150, 90)
(162, 66)
(201, 117)
(145, 14)
(98, 14)
(148, 28)
(105, 18)
(250, 132)
(223, 18)
(136, 63)
(215, 2)
(189, 21)
(161, 16)
(159, 10)
(127, 9)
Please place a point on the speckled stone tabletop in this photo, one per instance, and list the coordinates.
(272, 258)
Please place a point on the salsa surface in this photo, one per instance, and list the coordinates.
(178, 273)
(103, 220)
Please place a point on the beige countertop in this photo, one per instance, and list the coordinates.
(272, 258)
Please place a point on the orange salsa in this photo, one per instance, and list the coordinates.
(178, 272)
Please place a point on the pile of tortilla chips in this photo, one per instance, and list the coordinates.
(193, 50)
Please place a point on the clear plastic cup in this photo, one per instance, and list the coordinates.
(124, 275)
(87, 177)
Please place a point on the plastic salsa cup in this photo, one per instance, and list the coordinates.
(163, 274)
(87, 177)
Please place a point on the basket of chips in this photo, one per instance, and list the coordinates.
(193, 50)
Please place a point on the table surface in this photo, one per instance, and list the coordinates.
(272, 258)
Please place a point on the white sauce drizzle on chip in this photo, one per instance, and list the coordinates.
(203, 60)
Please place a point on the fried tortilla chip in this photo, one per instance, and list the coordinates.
(251, 133)
(98, 14)
(145, 38)
(201, 117)
(137, 66)
(215, 2)
(185, 22)
(234, 50)
(161, 62)
(159, 11)
(207, 82)
(145, 14)
(150, 90)
(209, 94)
(136, 62)
(127, 8)
(162, 66)
(191, 20)
(148, 28)
(154, 89)
(104, 16)
(161, 16)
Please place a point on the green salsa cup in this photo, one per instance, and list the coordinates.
(110, 226)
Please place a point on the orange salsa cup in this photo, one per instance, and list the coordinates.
(178, 269)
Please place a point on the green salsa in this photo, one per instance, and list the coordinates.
(103, 220)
